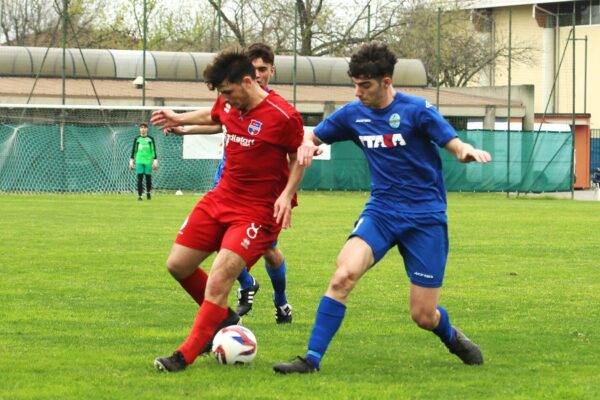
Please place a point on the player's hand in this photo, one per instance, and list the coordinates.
(178, 130)
(130, 164)
(155, 164)
(164, 119)
(306, 152)
(283, 211)
(470, 154)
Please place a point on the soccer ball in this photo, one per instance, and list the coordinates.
(234, 345)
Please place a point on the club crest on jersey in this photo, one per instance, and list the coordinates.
(394, 120)
(254, 127)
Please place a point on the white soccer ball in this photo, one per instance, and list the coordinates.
(178, 193)
(234, 345)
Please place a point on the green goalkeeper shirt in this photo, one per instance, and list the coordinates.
(144, 150)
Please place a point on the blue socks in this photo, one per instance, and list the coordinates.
(245, 279)
(278, 280)
(444, 330)
(327, 322)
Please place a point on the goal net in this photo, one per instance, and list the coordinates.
(87, 149)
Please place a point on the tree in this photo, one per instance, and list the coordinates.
(26, 22)
(322, 29)
(38, 22)
(464, 51)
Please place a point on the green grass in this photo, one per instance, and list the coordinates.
(86, 304)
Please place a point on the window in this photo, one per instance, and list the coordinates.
(582, 13)
(565, 12)
(595, 11)
(586, 12)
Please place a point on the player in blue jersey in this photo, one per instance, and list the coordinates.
(400, 136)
(263, 59)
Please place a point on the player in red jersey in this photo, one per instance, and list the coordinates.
(263, 58)
(243, 215)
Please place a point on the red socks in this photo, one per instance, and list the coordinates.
(195, 285)
(208, 319)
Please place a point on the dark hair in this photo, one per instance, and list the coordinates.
(230, 65)
(143, 124)
(261, 50)
(372, 60)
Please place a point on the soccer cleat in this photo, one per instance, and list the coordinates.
(283, 314)
(139, 198)
(299, 365)
(149, 196)
(173, 363)
(232, 319)
(246, 298)
(465, 349)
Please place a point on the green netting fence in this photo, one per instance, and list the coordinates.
(80, 155)
(522, 161)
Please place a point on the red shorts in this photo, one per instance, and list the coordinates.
(213, 225)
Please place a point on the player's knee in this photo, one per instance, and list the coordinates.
(273, 258)
(423, 318)
(178, 269)
(343, 281)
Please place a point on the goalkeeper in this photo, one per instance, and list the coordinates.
(145, 159)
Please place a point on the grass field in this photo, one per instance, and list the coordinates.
(86, 304)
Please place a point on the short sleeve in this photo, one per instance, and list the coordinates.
(434, 125)
(215, 112)
(335, 127)
(295, 127)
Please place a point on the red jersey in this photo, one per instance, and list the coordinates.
(257, 143)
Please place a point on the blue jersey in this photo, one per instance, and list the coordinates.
(400, 143)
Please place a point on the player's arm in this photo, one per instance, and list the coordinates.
(194, 130)
(133, 153)
(155, 161)
(464, 152)
(166, 118)
(283, 204)
(309, 148)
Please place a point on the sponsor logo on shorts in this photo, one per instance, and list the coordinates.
(245, 142)
(382, 141)
(422, 275)
(251, 233)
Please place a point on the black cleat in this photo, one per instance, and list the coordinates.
(299, 365)
(148, 196)
(139, 198)
(283, 314)
(246, 298)
(465, 349)
(173, 363)
(232, 319)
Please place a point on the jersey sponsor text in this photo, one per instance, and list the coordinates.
(377, 141)
(239, 139)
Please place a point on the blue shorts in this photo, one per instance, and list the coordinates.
(422, 240)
